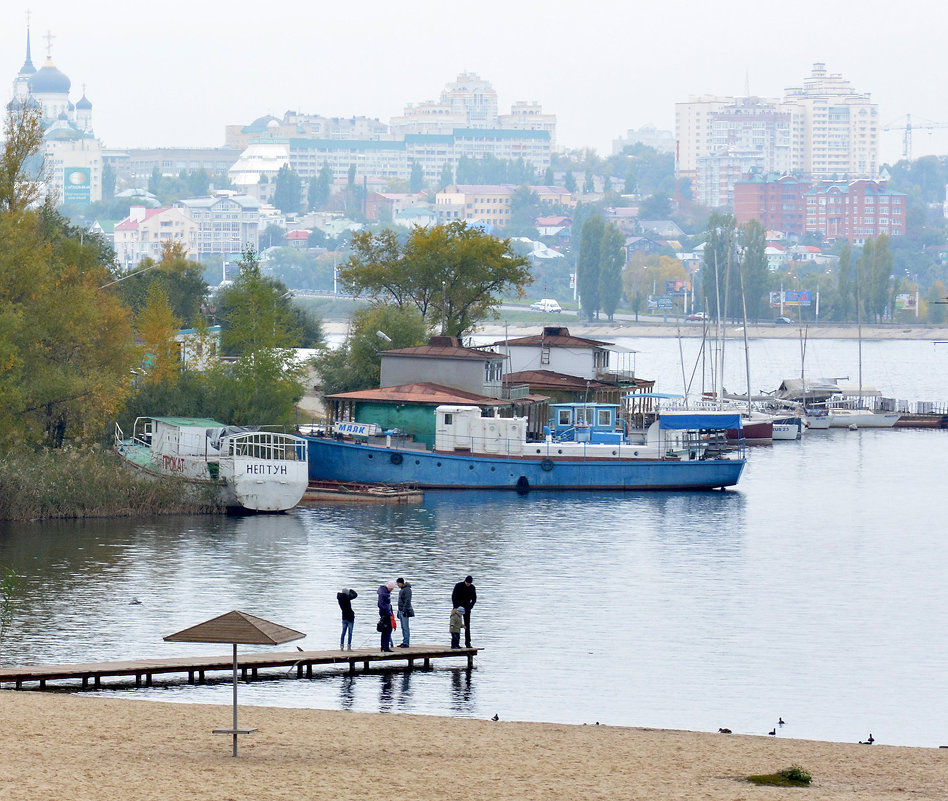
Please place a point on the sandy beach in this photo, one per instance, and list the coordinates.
(75, 747)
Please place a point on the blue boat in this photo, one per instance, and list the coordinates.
(684, 450)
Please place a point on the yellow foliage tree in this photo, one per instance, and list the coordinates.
(158, 327)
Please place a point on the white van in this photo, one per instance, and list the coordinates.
(546, 305)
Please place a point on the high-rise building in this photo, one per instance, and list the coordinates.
(840, 126)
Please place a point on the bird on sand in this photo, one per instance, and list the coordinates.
(868, 741)
(724, 731)
(496, 717)
(772, 732)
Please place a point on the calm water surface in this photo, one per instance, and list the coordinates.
(816, 591)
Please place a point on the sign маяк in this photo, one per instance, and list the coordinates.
(357, 429)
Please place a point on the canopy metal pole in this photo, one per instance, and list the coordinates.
(235, 699)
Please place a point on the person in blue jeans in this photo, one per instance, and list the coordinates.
(385, 614)
(405, 610)
(345, 598)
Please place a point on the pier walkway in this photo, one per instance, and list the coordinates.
(249, 664)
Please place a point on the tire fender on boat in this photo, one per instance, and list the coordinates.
(523, 485)
(396, 458)
(546, 465)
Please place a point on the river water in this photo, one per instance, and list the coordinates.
(815, 591)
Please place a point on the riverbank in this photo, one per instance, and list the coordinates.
(89, 748)
(612, 331)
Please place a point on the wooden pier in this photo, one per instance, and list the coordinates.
(249, 664)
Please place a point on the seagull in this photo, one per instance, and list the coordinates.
(772, 732)
(724, 731)
(496, 717)
(780, 722)
(133, 602)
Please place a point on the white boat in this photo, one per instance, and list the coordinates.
(251, 469)
(861, 418)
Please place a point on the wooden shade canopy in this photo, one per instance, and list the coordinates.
(236, 628)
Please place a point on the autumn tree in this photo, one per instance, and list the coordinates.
(158, 327)
(455, 275)
(181, 278)
(22, 171)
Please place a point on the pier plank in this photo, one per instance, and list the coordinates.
(249, 664)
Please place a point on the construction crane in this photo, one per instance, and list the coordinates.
(907, 128)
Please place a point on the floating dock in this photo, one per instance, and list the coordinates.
(350, 492)
(249, 664)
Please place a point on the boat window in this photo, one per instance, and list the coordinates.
(564, 417)
(605, 417)
(449, 419)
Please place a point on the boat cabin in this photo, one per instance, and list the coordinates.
(597, 423)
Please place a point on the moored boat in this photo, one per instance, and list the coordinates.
(683, 450)
(249, 469)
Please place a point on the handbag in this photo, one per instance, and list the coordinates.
(378, 626)
(394, 624)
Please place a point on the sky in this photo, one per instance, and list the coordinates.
(176, 73)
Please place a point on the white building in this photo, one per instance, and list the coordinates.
(227, 222)
(146, 231)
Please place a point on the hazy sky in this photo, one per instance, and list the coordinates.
(175, 73)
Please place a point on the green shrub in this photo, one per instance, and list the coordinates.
(794, 776)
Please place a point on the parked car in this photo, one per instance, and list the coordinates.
(697, 316)
(783, 321)
(546, 305)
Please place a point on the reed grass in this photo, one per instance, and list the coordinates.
(73, 483)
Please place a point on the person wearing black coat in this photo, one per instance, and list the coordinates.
(465, 595)
(345, 598)
(385, 614)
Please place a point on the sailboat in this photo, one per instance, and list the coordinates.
(860, 416)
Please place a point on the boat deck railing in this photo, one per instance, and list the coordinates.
(268, 445)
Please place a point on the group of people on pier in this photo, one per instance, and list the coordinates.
(463, 598)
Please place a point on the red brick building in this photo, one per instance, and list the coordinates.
(855, 210)
(776, 202)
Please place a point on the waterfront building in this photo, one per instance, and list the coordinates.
(447, 360)
(146, 231)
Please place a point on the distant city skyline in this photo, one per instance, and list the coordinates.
(176, 74)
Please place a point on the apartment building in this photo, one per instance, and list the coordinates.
(227, 223)
(146, 231)
(856, 210)
(775, 201)
(490, 204)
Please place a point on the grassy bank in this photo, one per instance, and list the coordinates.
(90, 483)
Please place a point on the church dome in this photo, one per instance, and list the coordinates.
(83, 104)
(49, 80)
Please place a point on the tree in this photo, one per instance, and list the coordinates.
(417, 180)
(589, 183)
(320, 188)
(587, 279)
(719, 250)
(524, 210)
(548, 179)
(158, 327)
(756, 272)
(453, 274)
(65, 340)
(357, 364)
(21, 167)
(877, 278)
(182, 281)
(569, 181)
(259, 328)
(108, 183)
(655, 207)
(447, 176)
(847, 301)
(286, 196)
(611, 261)
(647, 275)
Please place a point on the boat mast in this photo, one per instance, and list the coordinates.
(859, 323)
(747, 362)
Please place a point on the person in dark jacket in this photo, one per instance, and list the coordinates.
(345, 598)
(385, 614)
(405, 611)
(465, 595)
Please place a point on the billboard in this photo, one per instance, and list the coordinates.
(907, 301)
(679, 288)
(791, 297)
(77, 185)
(660, 302)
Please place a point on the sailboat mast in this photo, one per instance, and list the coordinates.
(747, 362)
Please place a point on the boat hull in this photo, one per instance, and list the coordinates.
(846, 418)
(336, 460)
